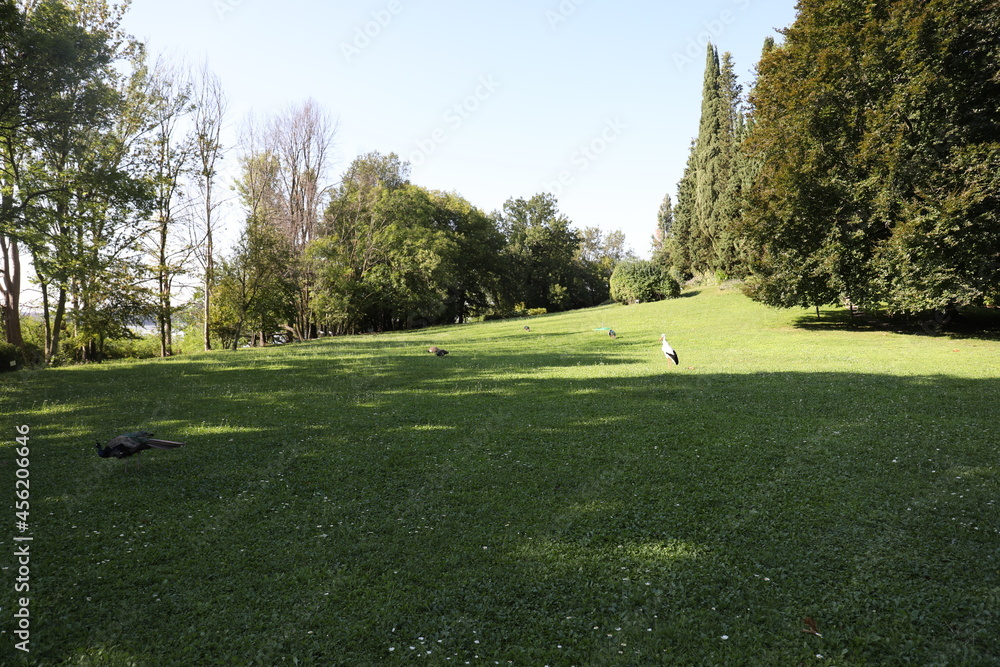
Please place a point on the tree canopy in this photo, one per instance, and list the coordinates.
(865, 169)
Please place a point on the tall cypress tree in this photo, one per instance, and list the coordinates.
(664, 222)
(726, 209)
(703, 238)
(677, 245)
(708, 168)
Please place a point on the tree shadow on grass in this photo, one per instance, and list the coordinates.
(968, 323)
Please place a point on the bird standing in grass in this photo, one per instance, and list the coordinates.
(527, 328)
(611, 332)
(126, 445)
(667, 350)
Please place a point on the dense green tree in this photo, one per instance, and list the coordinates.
(474, 262)
(726, 211)
(392, 254)
(875, 132)
(709, 173)
(73, 167)
(640, 281)
(353, 246)
(808, 223)
(255, 293)
(677, 247)
(930, 155)
(409, 285)
(541, 246)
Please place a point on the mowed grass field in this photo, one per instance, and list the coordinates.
(551, 497)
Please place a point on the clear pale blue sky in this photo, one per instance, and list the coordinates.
(534, 81)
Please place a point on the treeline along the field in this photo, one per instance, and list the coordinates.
(862, 167)
(386, 254)
(111, 179)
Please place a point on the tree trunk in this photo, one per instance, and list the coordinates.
(46, 319)
(53, 323)
(10, 291)
(57, 325)
(209, 278)
(164, 285)
(236, 336)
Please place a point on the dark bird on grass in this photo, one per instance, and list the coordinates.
(527, 328)
(126, 445)
(611, 332)
(438, 351)
(667, 350)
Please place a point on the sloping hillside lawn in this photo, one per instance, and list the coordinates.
(787, 495)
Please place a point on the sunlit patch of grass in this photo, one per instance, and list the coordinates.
(543, 497)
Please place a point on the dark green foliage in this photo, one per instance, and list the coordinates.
(474, 262)
(10, 357)
(808, 220)
(255, 293)
(541, 246)
(596, 258)
(703, 235)
(709, 168)
(732, 171)
(678, 244)
(394, 255)
(876, 131)
(640, 281)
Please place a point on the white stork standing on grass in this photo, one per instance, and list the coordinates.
(667, 350)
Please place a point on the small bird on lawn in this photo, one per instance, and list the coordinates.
(611, 332)
(438, 351)
(667, 350)
(126, 445)
(527, 328)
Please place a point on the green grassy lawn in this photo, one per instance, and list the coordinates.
(551, 497)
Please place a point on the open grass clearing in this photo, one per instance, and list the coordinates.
(545, 497)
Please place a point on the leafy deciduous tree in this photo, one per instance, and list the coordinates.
(540, 252)
(635, 281)
(255, 291)
(875, 135)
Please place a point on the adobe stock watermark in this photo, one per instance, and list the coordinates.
(225, 7)
(586, 155)
(694, 50)
(365, 34)
(22, 542)
(562, 12)
(453, 119)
